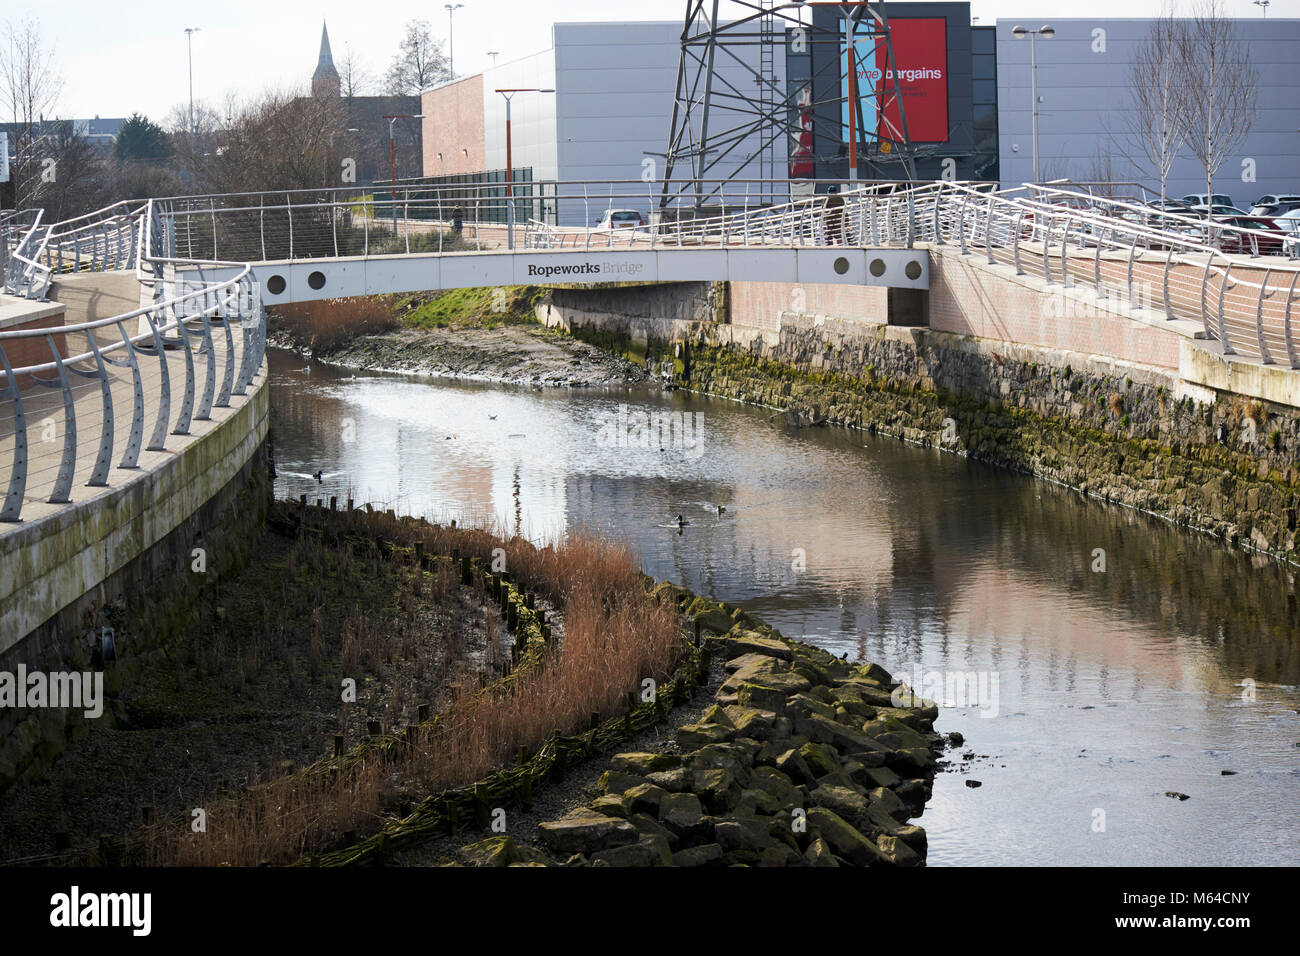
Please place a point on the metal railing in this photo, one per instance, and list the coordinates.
(123, 380)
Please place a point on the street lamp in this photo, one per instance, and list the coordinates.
(1046, 33)
(451, 61)
(189, 43)
(392, 157)
(494, 54)
(1263, 5)
(510, 172)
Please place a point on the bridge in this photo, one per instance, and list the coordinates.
(139, 392)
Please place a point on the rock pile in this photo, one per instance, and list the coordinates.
(803, 760)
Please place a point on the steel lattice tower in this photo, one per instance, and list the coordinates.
(725, 127)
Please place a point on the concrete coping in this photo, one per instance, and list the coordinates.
(15, 311)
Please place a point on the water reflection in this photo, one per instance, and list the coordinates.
(1114, 686)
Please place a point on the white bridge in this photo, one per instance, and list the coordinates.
(194, 274)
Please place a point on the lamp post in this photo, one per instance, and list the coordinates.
(392, 157)
(494, 54)
(189, 44)
(1046, 33)
(1263, 5)
(451, 60)
(510, 172)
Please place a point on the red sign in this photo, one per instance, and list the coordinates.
(921, 54)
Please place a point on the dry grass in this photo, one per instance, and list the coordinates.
(615, 635)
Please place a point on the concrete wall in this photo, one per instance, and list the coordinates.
(453, 128)
(1086, 105)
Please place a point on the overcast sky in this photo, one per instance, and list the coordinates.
(130, 56)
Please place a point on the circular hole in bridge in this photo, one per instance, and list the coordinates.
(841, 266)
(275, 285)
(877, 267)
(316, 280)
(913, 270)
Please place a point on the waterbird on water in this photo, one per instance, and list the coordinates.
(317, 476)
(682, 522)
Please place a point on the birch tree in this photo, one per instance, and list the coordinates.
(1222, 88)
(1161, 97)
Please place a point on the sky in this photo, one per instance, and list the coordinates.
(119, 58)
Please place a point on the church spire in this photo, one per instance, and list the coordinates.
(325, 81)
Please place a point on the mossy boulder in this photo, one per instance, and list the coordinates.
(845, 841)
(819, 854)
(681, 813)
(502, 851)
(694, 736)
(643, 764)
(618, 781)
(704, 855)
(586, 831)
(643, 798)
(752, 642)
(711, 615)
(820, 759)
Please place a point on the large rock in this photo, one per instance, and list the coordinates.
(898, 852)
(674, 781)
(751, 722)
(698, 855)
(648, 851)
(846, 803)
(502, 851)
(761, 696)
(820, 758)
(819, 854)
(586, 831)
(694, 736)
(752, 642)
(644, 764)
(643, 798)
(711, 615)
(793, 765)
(845, 841)
(681, 813)
(617, 781)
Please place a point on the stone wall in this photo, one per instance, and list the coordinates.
(123, 560)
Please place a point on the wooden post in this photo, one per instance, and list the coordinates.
(334, 503)
(338, 745)
(349, 504)
(374, 728)
(423, 713)
(302, 501)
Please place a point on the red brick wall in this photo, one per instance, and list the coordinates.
(453, 128)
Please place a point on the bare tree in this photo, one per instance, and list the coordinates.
(354, 78)
(1162, 100)
(30, 87)
(420, 64)
(1222, 88)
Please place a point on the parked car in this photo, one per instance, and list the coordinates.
(1274, 205)
(620, 219)
(1264, 237)
(1289, 223)
(1200, 199)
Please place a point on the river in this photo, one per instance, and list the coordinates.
(1095, 658)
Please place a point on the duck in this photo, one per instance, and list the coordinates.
(682, 522)
(722, 510)
(318, 476)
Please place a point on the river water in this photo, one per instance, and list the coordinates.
(1085, 691)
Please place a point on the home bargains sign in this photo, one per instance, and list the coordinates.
(921, 53)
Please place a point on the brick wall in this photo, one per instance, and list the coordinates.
(453, 128)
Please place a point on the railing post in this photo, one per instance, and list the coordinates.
(1223, 328)
(1047, 250)
(334, 220)
(1066, 281)
(1291, 354)
(1132, 253)
(13, 503)
(1164, 284)
(988, 232)
(1015, 243)
(288, 206)
(961, 225)
(1264, 356)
